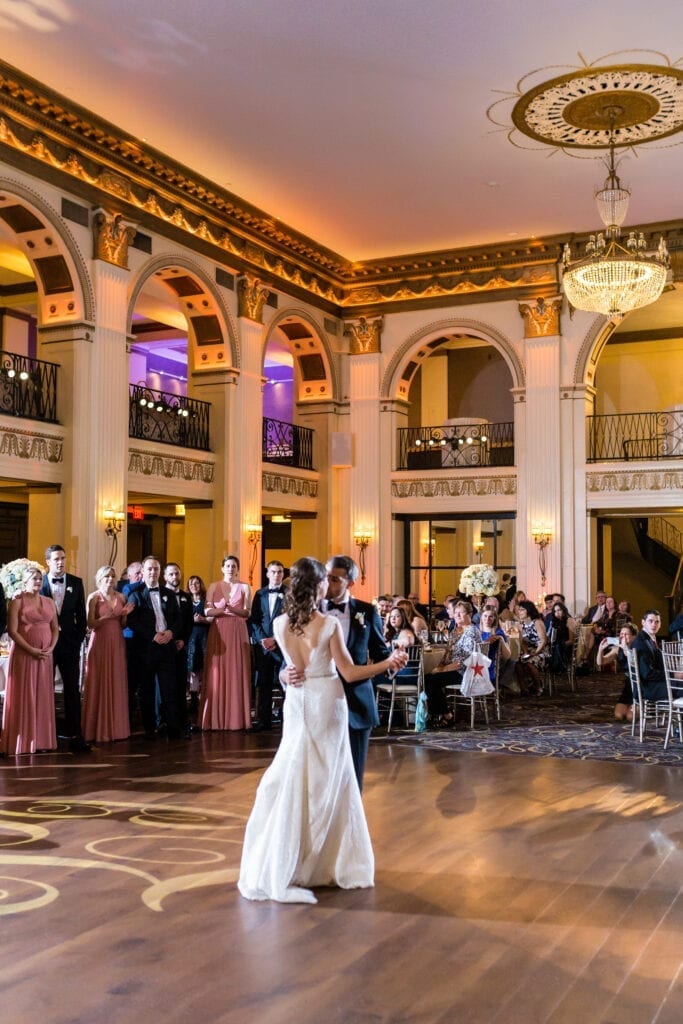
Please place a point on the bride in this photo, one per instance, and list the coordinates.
(307, 827)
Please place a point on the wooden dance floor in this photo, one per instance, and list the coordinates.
(508, 889)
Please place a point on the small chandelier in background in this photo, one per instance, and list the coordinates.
(612, 278)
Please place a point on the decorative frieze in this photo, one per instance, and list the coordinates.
(276, 483)
(454, 487)
(170, 467)
(35, 447)
(635, 480)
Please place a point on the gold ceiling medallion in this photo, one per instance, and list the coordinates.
(571, 111)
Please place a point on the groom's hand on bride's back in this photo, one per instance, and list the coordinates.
(290, 676)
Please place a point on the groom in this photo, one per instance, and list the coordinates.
(362, 631)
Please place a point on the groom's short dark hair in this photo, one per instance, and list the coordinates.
(345, 563)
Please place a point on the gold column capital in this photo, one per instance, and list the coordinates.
(251, 297)
(541, 318)
(112, 235)
(365, 335)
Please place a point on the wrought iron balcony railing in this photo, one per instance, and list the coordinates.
(28, 387)
(635, 436)
(287, 444)
(167, 418)
(459, 445)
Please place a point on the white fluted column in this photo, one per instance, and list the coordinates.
(370, 462)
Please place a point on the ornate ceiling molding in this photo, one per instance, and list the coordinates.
(93, 159)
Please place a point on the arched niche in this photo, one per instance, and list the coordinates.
(315, 377)
(64, 288)
(175, 292)
(432, 338)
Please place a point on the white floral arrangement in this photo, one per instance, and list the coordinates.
(479, 579)
(12, 575)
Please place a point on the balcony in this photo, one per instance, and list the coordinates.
(456, 445)
(636, 436)
(28, 388)
(286, 444)
(167, 418)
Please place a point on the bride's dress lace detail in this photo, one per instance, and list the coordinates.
(307, 827)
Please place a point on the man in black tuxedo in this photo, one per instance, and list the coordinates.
(362, 631)
(172, 579)
(68, 595)
(155, 622)
(266, 606)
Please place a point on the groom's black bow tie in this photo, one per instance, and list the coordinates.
(57, 579)
(274, 590)
(153, 590)
(332, 605)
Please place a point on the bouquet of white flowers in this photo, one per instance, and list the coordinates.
(12, 575)
(479, 579)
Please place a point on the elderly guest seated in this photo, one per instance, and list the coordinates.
(461, 642)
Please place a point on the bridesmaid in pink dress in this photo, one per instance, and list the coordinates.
(226, 686)
(105, 692)
(28, 720)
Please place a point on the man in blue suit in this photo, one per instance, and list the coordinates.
(362, 631)
(267, 605)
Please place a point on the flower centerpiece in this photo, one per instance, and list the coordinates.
(479, 579)
(12, 575)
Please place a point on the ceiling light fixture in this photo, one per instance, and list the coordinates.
(611, 278)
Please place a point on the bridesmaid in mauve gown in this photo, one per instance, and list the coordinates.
(28, 720)
(226, 686)
(105, 692)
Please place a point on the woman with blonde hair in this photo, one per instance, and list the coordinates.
(104, 715)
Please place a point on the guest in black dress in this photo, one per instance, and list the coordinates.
(196, 647)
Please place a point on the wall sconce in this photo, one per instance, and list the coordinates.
(361, 539)
(254, 533)
(114, 521)
(478, 549)
(542, 536)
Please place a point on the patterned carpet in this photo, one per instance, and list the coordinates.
(569, 725)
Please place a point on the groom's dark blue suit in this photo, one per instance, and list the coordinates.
(365, 642)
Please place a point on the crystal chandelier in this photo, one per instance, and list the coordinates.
(612, 278)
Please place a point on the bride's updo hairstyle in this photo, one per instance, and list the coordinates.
(301, 599)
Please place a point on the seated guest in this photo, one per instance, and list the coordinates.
(384, 606)
(650, 661)
(560, 632)
(406, 638)
(508, 613)
(461, 643)
(442, 617)
(491, 633)
(396, 621)
(608, 625)
(415, 620)
(610, 653)
(534, 644)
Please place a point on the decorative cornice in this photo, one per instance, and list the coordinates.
(31, 445)
(453, 487)
(275, 483)
(99, 162)
(172, 467)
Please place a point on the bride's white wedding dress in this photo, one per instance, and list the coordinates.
(307, 826)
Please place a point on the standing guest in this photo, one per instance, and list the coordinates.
(226, 691)
(362, 634)
(462, 641)
(134, 573)
(155, 623)
(172, 579)
(28, 720)
(650, 660)
(69, 597)
(610, 653)
(268, 603)
(196, 648)
(105, 691)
